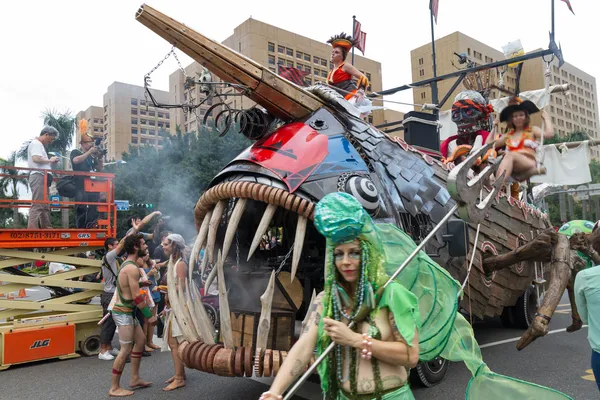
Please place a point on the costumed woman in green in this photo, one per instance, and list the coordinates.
(373, 360)
(412, 318)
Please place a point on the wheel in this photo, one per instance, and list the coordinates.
(213, 315)
(525, 309)
(429, 373)
(508, 317)
(90, 346)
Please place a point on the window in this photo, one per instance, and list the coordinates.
(134, 140)
(553, 120)
(300, 66)
(290, 63)
(289, 52)
(167, 115)
(272, 69)
(323, 62)
(421, 61)
(142, 102)
(134, 131)
(306, 57)
(421, 72)
(134, 102)
(133, 121)
(271, 59)
(423, 95)
(151, 122)
(96, 120)
(161, 115)
(308, 80)
(280, 61)
(324, 74)
(143, 121)
(316, 60)
(143, 112)
(307, 68)
(168, 125)
(316, 72)
(299, 55)
(271, 47)
(151, 113)
(134, 111)
(281, 49)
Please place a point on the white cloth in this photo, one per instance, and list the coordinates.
(571, 167)
(55, 267)
(539, 97)
(36, 148)
(448, 127)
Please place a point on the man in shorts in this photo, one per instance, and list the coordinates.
(131, 335)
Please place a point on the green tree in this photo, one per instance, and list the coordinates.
(173, 178)
(64, 123)
(11, 182)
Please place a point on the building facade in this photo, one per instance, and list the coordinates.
(95, 117)
(270, 46)
(573, 111)
(131, 119)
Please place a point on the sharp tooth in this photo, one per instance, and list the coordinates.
(213, 226)
(226, 331)
(264, 324)
(199, 242)
(190, 310)
(298, 244)
(234, 221)
(207, 329)
(262, 228)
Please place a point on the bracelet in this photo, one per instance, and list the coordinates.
(367, 347)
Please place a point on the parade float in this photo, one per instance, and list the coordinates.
(309, 142)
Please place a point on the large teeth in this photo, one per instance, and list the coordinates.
(264, 323)
(190, 309)
(298, 244)
(234, 221)
(226, 331)
(200, 239)
(213, 226)
(205, 326)
(262, 228)
(210, 278)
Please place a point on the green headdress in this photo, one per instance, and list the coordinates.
(424, 296)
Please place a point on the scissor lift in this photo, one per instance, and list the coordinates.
(57, 326)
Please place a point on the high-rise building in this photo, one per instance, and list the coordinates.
(95, 117)
(131, 119)
(573, 111)
(271, 46)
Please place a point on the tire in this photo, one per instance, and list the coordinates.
(429, 373)
(90, 346)
(508, 317)
(525, 309)
(213, 315)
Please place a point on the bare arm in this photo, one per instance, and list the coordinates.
(84, 156)
(300, 354)
(548, 127)
(181, 272)
(133, 276)
(363, 82)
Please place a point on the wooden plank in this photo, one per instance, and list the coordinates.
(34, 306)
(33, 256)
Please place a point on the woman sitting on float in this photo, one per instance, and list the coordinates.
(342, 74)
(519, 143)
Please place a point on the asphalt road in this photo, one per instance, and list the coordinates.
(559, 360)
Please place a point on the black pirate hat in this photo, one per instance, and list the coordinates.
(516, 104)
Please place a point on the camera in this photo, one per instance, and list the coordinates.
(98, 144)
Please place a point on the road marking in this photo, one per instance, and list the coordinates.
(589, 377)
(565, 305)
(567, 311)
(498, 343)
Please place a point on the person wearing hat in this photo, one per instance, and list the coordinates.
(86, 159)
(342, 74)
(39, 214)
(519, 162)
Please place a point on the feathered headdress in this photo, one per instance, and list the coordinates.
(83, 127)
(342, 40)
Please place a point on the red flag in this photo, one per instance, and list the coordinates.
(293, 75)
(569, 5)
(433, 6)
(360, 37)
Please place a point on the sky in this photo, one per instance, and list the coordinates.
(64, 54)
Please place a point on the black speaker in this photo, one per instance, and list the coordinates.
(421, 134)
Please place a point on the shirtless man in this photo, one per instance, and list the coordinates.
(130, 332)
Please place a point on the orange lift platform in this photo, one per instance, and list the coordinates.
(53, 320)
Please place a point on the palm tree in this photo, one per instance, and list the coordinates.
(13, 180)
(65, 125)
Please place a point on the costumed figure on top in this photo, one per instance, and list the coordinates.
(341, 77)
(412, 318)
(471, 114)
(520, 142)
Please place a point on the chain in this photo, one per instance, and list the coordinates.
(162, 61)
(287, 256)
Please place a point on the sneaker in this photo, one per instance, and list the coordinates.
(114, 352)
(106, 356)
(146, 354)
